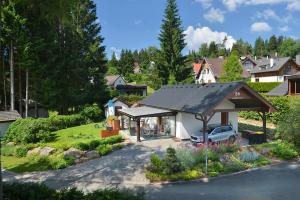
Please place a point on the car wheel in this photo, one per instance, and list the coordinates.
(231, 139)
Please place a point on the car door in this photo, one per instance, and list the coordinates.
(216, 135)
(225, 133)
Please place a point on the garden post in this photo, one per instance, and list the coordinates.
(138, 130)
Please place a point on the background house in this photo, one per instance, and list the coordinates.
(274, 69)
(248, 63)
(6, 118)
(115, 80)
(290, 87)
(209, 70)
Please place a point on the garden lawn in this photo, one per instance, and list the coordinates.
(68, 137)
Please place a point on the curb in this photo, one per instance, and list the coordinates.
(207, 179)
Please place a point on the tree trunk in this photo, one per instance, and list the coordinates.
(27, 92)
(4, 79)
(20, 92)
(12, 86)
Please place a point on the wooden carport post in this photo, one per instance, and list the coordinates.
(264, 119)
(138, 130)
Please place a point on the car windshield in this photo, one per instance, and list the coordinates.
(210, 130)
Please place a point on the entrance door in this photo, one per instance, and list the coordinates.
(224, 118)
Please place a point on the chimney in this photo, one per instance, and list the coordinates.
(271, 62)
(255, 58)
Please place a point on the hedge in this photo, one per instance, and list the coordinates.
(263, 87)
(281, 103)
(34, 191)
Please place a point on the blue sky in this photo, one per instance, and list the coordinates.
(135, 24)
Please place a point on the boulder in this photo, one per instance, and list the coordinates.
(10, 144)
(81, 160)
(72, 152)
(92, 154)
(36, 150)
(46, 151)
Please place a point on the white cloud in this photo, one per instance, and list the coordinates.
(194, 37)
(284, 29)
(260, 27)
(214, 15)
(294, 5)
(205, 3)
(233, 4)
(271, 14)
(116, 51)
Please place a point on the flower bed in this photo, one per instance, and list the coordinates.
(189, 164)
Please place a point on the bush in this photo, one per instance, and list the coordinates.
(289, 126)
(111, 140)
(281, 103)
(21, 152)
(34, 191)
(104, 149)
(157, 164)
(186, 157)
(215, 168)
(31, 130)
(172, 164)
(284, 151)
(234, 165)
(131, 99)
(94, 144)
(82, 146)
(249, 156)
(92, 113)
(60, 161)
(211, 155)
(263, 87)
(8, 150)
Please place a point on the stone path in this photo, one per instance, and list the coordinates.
(122, 168)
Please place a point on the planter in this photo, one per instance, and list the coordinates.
(255, 138)
(108, 133)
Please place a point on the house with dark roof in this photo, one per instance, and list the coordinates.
(183, 110)
(209, 70)
(274, 69)
(290, 87)
(248, 63)
(6, 118)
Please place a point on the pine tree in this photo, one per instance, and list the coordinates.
(172, 43)
(273, 45)
(260, 48)
(232, 69)
(213, 50)
(112, 65)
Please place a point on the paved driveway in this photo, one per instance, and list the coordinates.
(278, 182)
(123, 168)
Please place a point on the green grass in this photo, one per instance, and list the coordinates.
(67, 138)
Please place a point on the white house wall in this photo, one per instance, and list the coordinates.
(187, 125)
(268, 79)
(206, 77)
(119, 81)
(226, 104)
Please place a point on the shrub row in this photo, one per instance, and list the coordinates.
(96, 143)
(31, 130)
(263, 87)
(33, 191)
(281, 103)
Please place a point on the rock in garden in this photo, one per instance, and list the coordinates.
(46, 151)
(36, 150)
(81, 160)
(72, 152)
(10, 144)
(92, 154)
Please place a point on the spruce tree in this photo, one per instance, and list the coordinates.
(232, 70)
(172, 43)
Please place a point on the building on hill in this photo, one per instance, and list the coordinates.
(137, 68)
(209, 70)
(290, 87)
(118, 83)
(6, 118)
(248, 63)
(115, 80)
(274, 69)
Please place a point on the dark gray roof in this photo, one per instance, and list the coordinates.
(144, 111)
(190, 98)
(280, 90)
(6, 116)
(263, 65)
(295, 76)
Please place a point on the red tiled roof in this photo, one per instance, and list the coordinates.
(196, 67)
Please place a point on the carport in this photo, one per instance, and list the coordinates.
(137, 113)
